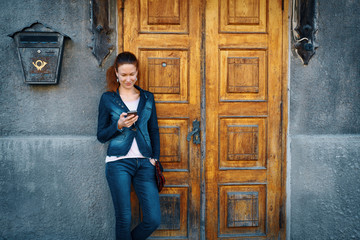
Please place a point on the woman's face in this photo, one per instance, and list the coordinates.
(127, 74)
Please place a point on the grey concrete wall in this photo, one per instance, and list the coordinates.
(325, 197)
(324, 130)
(52, 183)
(53, 187)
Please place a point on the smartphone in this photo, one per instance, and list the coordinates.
(130, 113)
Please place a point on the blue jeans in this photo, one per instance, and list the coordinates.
(141, 173)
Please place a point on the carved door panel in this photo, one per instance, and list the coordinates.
(243, 116)
(231, 51)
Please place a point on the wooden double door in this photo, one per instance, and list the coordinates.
(217, 62)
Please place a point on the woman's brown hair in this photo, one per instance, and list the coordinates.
(122, 58)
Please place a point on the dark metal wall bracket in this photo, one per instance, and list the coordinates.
(304, 28)
(100, 27)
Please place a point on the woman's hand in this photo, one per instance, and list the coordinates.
(152, 161)
(126, 121)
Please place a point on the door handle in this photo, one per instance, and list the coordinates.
(195, 133)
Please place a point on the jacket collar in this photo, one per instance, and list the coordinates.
(143, 99)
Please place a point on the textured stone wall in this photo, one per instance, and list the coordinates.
(53, 187)
(52, 180)
(324, 130)
(325, 192)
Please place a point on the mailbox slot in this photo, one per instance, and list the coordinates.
(38, 39)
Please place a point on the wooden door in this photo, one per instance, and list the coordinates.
(165, 35)
(218, 61)
(243, 115)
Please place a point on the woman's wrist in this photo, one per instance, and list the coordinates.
(120, 128)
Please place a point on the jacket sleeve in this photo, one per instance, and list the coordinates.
(154, 132)
(106, 130)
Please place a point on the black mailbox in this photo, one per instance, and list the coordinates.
(40, 54)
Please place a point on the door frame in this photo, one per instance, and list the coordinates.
(284, 114)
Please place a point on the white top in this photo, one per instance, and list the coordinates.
(134, 151)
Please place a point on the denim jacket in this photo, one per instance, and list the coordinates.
(146, 130)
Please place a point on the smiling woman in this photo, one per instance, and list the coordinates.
(134, 147)
(125, 58)
(126, 75)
